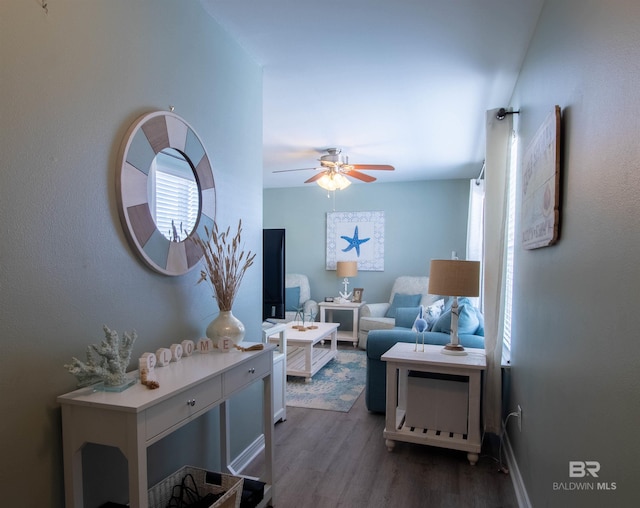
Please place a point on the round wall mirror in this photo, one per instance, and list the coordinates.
(166, 192)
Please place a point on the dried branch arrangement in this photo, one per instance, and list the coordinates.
(225, 263)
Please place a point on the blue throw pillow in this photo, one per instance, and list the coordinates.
(405, 316)
(462, 300)
(480, 330)
(292, 299)
(468, 321)
(400, 300)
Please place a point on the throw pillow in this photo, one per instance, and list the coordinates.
(405, 316)
(433, 312)
(468, 321)
(400, 300)
(480, 330)
(462, 300)
(292, 299)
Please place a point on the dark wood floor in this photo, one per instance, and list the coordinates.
(327, 459)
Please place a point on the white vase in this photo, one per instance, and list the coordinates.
(226, 325)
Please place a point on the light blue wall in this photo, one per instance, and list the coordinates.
(575, 359)
(72, 81)
(423, 220)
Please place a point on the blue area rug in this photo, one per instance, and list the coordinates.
(335, 387)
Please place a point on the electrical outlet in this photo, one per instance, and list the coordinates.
(519, 418)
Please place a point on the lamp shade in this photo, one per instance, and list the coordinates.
(346, 268)
(452, 277)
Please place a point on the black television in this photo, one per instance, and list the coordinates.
(273, 273)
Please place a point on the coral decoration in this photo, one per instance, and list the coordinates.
(106, 362)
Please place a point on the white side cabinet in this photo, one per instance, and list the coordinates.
(279, 368)
(458, 429)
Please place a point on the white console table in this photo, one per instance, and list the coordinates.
(136, 418)
(401, 359)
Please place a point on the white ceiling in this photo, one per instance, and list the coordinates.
(400, 82)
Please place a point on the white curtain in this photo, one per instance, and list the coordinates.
(475, 230)
(496, 186)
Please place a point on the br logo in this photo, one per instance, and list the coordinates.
(580, 469)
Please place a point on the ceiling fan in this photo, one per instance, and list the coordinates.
(335, 167)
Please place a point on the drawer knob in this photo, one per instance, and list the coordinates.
(252, 370)
(191, 402)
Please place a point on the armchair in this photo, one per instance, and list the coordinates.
(377, 316)
(303, 294)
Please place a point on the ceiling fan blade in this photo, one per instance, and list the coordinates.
(384, 167)
(287, 170)
(360, 176)
(315, 177)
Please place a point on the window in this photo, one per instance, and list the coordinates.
(475, 230)
(510, 244)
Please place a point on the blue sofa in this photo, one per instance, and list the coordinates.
(380, 341)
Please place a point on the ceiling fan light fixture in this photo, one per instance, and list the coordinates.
(334, 167)
(333, 181)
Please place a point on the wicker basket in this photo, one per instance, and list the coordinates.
(160, 494)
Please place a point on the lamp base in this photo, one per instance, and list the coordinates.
(343, 294)
(453, 349)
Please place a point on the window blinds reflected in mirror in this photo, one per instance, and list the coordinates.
(174, 200)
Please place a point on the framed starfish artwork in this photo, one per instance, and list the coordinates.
(356, 236)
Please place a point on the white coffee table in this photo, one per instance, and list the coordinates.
(303, 359)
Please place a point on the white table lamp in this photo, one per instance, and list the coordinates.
(452, 277)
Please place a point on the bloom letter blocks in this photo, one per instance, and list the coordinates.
(205, 345)
(164, 356)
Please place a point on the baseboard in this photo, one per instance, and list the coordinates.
(516, 478)
(247, 455)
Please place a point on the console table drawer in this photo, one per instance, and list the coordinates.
(246, 373)
(182, 406)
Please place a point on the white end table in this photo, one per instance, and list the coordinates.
(402, 358)
(326, 313)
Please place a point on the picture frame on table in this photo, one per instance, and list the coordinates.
(357, 295)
